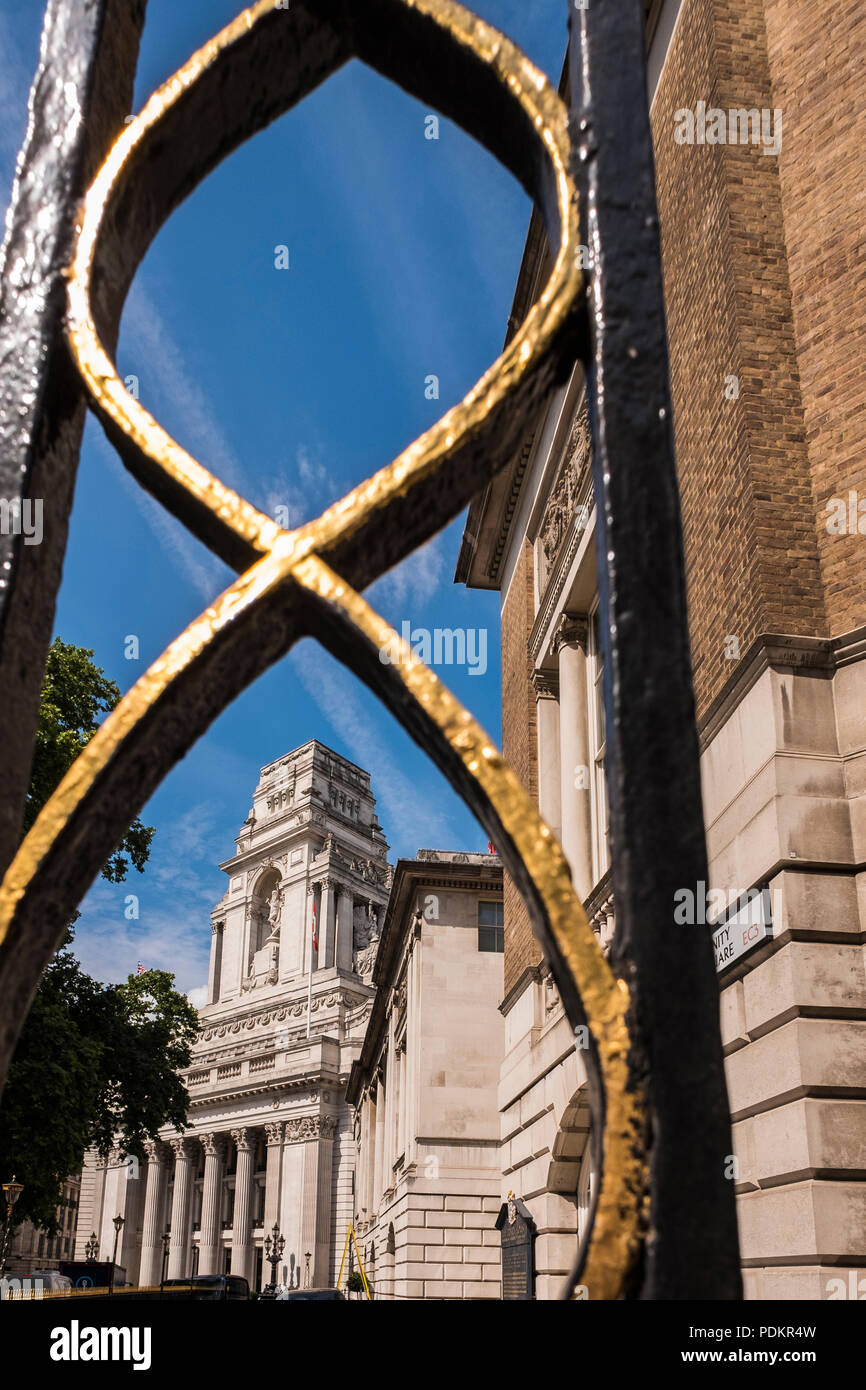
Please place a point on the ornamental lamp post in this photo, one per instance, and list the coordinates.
(91, 1249)
(308, 1255)
(117, 1223)
(274, 1246)
(166, 1241)
(11, 1191)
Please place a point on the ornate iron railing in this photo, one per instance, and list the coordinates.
(657, 1094)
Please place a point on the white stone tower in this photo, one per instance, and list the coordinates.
(270, 1138)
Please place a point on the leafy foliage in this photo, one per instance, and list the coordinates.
(95, 1064)
(76, 697)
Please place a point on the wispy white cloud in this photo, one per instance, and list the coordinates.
(414, 581)
(206, 574)
(306, 492)
(423, 818)
(171, 392)
(167, 382)
(174, 899)
(168, 935)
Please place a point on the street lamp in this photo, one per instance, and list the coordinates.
(117, 1223)
(11, 1191)
(274, 1246)
(308, 1255)
(91, 1249)
(166, 1241)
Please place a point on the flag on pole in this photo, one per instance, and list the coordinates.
(315, 925)
(491, 848)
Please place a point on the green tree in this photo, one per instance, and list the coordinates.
(76, 697)
(95, 1064)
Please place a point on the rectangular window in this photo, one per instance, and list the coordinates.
(598, 748)
(491, 926)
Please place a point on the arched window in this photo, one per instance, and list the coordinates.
(585, 1190)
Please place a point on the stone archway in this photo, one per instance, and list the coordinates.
(560, 1213)
(570, 1145)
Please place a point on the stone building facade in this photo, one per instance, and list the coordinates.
(763, 285)
(32, 1248)
(424, 1087)
(293, 944)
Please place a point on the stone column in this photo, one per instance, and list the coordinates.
(575, 771)
(413, 1046)
(327, 924)
(308, 959)
(242, 1232)
(379, 1159)
(210, 1240)
(317, 1135)
(345, 928)
(214, 980)
(178, 1250)
(274, 1132)
(389, 1152)
(150, 1268)
(546, 684)
(401, 1097)
(361, 1161)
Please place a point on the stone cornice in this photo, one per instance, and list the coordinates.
(339, 994)
(777, 651)
(523, 981)
(545, 684)
(279, 1088)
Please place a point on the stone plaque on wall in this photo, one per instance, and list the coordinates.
(517, 1233)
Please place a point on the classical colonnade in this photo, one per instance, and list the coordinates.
(170, 1209)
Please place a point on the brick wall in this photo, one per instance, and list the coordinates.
(519, 746)
(748, 509)
(817, 59)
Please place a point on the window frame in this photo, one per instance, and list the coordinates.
(599, 806)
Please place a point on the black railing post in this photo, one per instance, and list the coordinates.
(80, 95)
(657, 835)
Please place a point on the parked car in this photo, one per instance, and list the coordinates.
(283, 1295)
(52, 1280)
(208, 1287)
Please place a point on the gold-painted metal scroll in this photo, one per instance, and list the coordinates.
(307, 581)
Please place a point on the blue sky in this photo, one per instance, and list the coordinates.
(291, 386)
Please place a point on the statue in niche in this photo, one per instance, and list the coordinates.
(366, 939)
(275, 906)
(258, 921)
